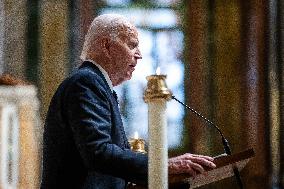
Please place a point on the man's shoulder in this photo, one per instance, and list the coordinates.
(86, 72)
(82, 78)
(85, 75)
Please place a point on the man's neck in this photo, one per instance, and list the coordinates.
(104, 72)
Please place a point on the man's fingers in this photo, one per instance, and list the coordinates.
(200, 159)
(198, 168)
(203, 162)
(190, 156)
(190, 171)
(202, 156)
(184, 166)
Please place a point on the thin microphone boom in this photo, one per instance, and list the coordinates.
(225, 142)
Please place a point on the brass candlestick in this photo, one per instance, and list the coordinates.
(137, 145)
(156, 96)
(157, 88)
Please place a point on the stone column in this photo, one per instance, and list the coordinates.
(2, 31)
(280, 27)
(82, 14)
(13, 27)
(274, 91)
(54, 47)
(196, 63)
(255, 92)
(226, 73)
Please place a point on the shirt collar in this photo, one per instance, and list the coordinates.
(105, 74)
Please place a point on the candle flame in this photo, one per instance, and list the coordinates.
(158, 71)
(136, 135)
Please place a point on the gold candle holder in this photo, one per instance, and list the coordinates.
(137, 145)
(157, 88)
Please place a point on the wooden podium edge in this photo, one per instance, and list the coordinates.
(219, 161)
(180, 180)
(230, 159)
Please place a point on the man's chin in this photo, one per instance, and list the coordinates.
(128, 78)
(124, 79)
(129, 75)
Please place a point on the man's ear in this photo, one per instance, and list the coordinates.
(105, 45)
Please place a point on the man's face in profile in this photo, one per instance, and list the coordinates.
(125, 53)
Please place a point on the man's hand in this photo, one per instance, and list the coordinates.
(190, 163)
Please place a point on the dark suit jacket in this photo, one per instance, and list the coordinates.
(84, 140)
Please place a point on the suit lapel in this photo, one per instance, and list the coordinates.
(112, 94)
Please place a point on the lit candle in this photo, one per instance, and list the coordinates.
(158, 71)
(156, 95)
(137, 144)
(135, 135)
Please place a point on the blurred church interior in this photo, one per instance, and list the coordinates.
(223, 58)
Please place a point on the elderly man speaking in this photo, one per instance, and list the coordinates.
(84, 140)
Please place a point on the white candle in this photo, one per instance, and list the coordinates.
(158, 71)
(158, 146)
(156, 96)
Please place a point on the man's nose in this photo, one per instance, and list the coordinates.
(137, 54)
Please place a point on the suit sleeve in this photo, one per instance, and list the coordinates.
(88, 114)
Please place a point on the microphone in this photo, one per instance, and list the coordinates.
(225, 142)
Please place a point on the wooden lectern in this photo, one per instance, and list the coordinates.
(224, 169)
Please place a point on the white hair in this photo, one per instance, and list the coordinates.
(106, 25)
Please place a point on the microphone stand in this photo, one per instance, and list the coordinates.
(225, 142)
